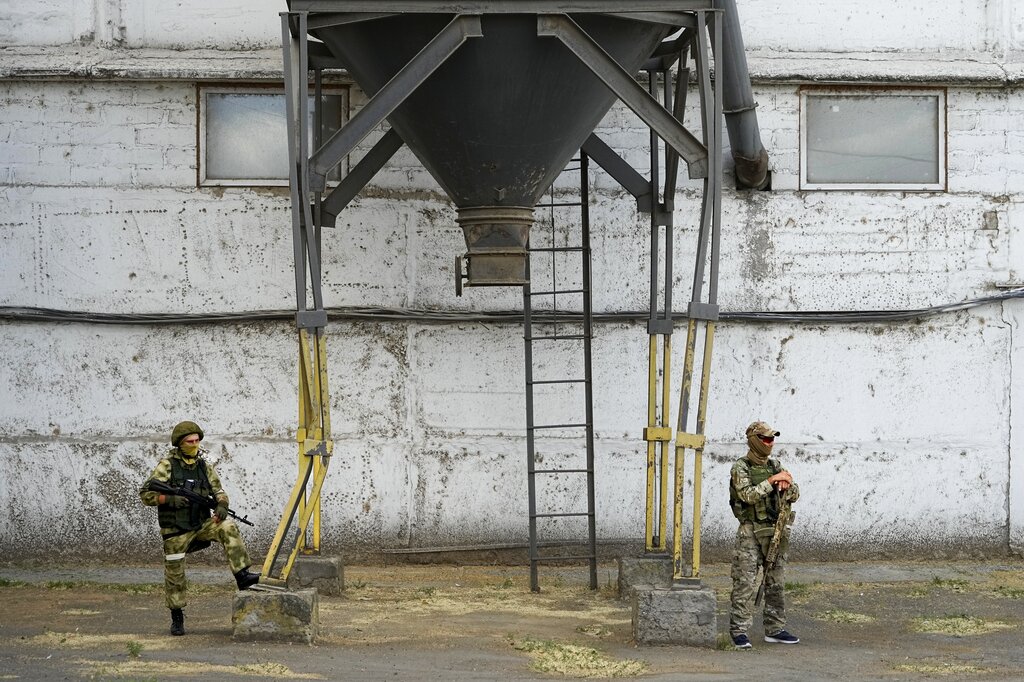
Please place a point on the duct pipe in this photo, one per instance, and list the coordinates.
(738, 102)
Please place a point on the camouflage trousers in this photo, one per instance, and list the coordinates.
(175, 549)
(747, 558)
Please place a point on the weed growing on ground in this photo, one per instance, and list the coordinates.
(952, 584)
(1010, 592)
(957, 625)
(134, 648)
(939, 668)
(571, 660)
(798, 589)
(840, 616)
(4, 582)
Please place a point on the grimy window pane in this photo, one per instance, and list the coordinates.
(246, 135)
(862, 139)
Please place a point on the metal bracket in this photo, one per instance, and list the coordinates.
(694, 441)
(632, 95)
(311, 319)
(702, 311)
(660, 325)
(661, 434)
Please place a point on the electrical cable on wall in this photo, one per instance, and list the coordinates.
(374, 314)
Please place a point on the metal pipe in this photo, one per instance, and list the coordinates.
(740, 109)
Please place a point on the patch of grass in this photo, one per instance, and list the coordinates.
(797, 589)
(952, 584)
(61, 584)
(570, 660)
(355, 584)
(425, 592)
(4, 582)
(506, 584)
(926, 668)
(960, 625)
(840, 616)
(918, 592)
(134, 648)
(595, 630)
(1009, 592)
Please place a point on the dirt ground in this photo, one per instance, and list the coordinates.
(857, 621)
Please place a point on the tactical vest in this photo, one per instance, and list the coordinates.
(191, 516)
(766, 509)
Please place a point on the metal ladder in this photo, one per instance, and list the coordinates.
(553, 332)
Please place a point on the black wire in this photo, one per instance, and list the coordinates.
(372, 314)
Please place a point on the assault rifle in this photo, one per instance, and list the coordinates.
(773, 547)
(203, 500)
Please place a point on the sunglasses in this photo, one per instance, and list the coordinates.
(767, 439)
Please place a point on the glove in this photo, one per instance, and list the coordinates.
(222, 511)
(175, 501)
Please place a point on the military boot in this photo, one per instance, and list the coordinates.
(244, 579)
(177, 622)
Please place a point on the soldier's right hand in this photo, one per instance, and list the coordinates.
(175, 501)
(781, 480)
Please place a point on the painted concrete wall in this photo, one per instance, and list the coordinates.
(903, 435)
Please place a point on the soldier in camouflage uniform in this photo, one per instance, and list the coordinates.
(188, 527)
(758, 484)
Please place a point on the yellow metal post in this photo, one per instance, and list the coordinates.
(702, 410)
(315, 450)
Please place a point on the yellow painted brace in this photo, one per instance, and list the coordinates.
(658, 435)
(315, 450)
(696, 442)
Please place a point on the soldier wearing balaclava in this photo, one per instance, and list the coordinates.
(758, 486)
(186, 526)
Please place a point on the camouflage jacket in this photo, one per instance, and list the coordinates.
(750, 491)
(162, 473)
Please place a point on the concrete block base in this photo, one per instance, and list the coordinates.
(675, 616)
(276, 616)
(325, 574)
(645, 572)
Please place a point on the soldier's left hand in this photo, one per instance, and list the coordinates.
(220, 514)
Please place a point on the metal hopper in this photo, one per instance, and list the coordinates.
(499, 119)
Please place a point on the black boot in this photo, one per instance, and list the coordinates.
(177, 622)
(244, 579)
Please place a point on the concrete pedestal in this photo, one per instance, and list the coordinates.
(675, 616)
(646, 572)
(325, 574)
(276, 616)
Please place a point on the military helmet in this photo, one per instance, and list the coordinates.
(761, 429)
(183, 429)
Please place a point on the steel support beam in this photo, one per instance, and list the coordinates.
(627, 89)
(499, 6)
(388, 98)
(357, 178)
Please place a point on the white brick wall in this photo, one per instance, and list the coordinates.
(102, 213)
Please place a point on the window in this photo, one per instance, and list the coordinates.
(873, 139)
(243, 134)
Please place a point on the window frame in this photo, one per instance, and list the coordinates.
(940, 93)
(204, 89)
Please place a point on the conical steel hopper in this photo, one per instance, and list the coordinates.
(499, 120)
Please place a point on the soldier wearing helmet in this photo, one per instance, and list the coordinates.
(186, 526)
(757, 487)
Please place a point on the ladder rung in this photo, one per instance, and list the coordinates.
(550, 249)
(562, 471)
(563, 558)
(556, 381)
(560, 515)
(555, 293)
(558, 337)
(559, 204)
(557, 426)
